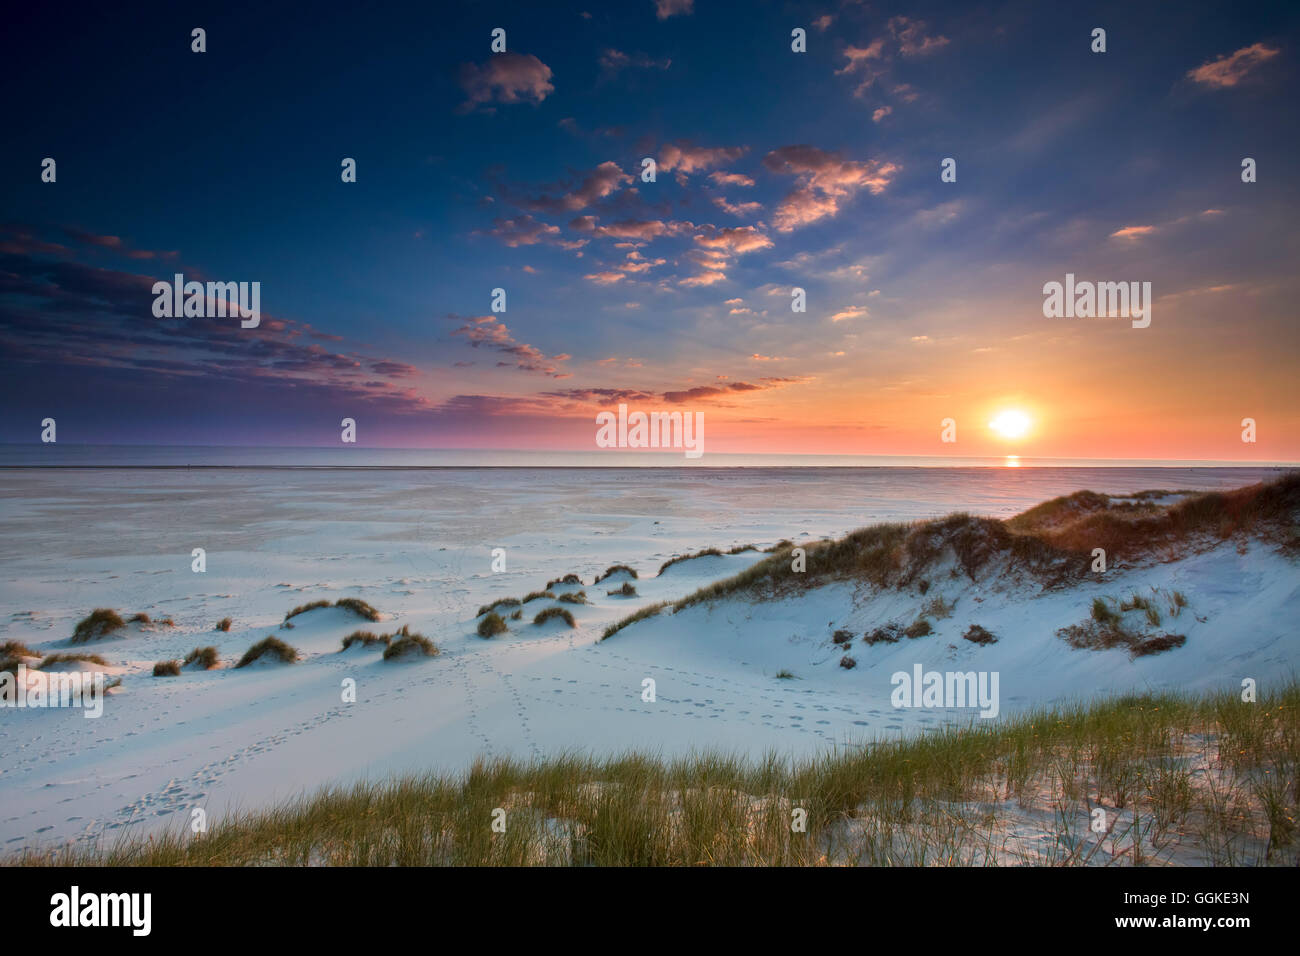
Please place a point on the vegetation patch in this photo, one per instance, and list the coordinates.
(979, 635)
(270, 647)
(205, 658)
(410, 645)
(706, 553)
(614, 569)
(504, 602)
(366, 639)
(167, 669)
(574, 597)
(224, 624)
(492, 625)
(627, 590)
(567, 579)
(553, 612)
(100, 622)
(650, 610)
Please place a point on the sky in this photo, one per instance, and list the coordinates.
(522, 170)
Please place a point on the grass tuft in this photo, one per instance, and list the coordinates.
(269, 646)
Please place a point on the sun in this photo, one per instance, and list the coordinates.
(1010, 424)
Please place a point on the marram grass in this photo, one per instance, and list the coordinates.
(1181, 780)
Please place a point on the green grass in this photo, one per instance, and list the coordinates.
(551, 613)
(98, 623)
(271, 646)
(1207, 780)
(492, 625)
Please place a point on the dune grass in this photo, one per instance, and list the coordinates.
(706, 553)
(167, 669)
(52, 659)
(365, 639)
(573, 597)
(627, 590)
(650, 610)
(504, 602)
(269, 646)
(204, 657)
(614, 569)
(538, 595)
(224, 624)
(551, 613)
(1181, 779)
(492, 625)
(98, 623)
(357, 606)
(409, 645)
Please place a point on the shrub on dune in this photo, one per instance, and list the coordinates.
(205, 657)
(614, 569)
(553, 612)
(848, 663)
(16, 649)
(574, 597)
(410, 645)
(919, 628)
(304, 608)
(517, 615)
(98, 623)
(627, 590)
(167, 669)
(224, 624)
(979, 635)
(492, 625)
(72, 659)
(366, 639)
(504, 602)
(358, 607)
(271, 647)
(140, 618)
(567, 579)
(537, 595)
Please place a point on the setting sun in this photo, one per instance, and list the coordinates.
(1010, 424)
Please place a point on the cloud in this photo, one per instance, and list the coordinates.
(1132, 232)
(605, 278)
(880, 113)
(505, 78)
(825, 182)
(601, 182)
(741, 209)
(687, 159)
(522, 231)
(611, 61)
(822, 22)
(1228, 71)
(488, 332)
(668, 8)
(911, 37)
(116, 244)
(730, 179)
(852, 312)
(733, 240)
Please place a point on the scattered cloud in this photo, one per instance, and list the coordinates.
(505, 78)
(1230, 70)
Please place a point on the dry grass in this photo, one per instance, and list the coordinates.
(205, 657)
(72, 658)
(492, 625)
(224, 624)
(272, 646)
(167, 669)
(365, 639)
(551, 613)
(410, 645)
(706, 553)
(614, 569)
(98, 623)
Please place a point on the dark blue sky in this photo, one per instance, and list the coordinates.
(817, 170)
